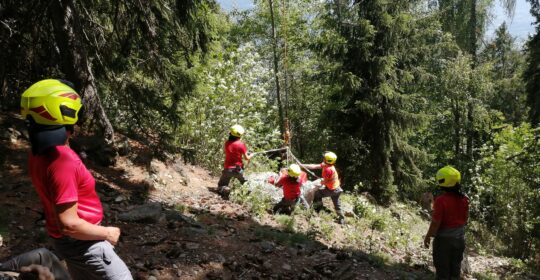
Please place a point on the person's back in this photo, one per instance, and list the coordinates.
(234, 150)
(291, 185)
(233, 166)
(451, 209)
(449, 218)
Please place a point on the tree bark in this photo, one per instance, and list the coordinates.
(470, 108)
(276, 71)
(76, 64)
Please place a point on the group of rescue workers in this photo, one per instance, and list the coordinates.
(291, 178)
(73, 210)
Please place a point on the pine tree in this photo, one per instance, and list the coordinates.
(532, 73)
(370, 116)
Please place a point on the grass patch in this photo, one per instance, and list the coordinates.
(286, 238)
(287, 222)
(257, 202)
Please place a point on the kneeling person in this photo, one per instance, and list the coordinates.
(291, 180)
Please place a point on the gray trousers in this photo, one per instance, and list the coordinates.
(228, 174)
(447, 256)
(89, 260)
(333, 194)
(39, 256)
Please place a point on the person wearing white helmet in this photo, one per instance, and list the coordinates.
(233, 166)
(330, 181)
(291, 179)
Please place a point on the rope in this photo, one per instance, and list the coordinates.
(269, 151)
(299, 163)
(288, 159)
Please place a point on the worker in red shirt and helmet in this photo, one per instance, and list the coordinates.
(449, 217)
(72, 208)
(233, 167)
(291, 179)
(330, 181)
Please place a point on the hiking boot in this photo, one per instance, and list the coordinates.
(224, 192)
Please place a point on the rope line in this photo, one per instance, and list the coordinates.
(299, 163)
(269, 151)
(289, 156)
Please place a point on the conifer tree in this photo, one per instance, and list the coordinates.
(532, 74)
(370, 116)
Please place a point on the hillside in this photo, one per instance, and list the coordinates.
(174, 225)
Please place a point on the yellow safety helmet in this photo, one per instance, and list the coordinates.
(51, 102)
(329, 158)
(294, 170)
(448, 176)
(237, 130)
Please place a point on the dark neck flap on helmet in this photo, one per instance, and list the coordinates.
(43, 137)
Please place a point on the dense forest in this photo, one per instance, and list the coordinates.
(397, 89)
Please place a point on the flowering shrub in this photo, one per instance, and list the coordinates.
(232, 90)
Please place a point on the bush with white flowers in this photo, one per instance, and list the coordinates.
(232, 90)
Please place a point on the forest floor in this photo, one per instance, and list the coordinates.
(174, 226)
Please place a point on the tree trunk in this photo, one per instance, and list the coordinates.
(276, 76)
(470, 108)
(76, 63)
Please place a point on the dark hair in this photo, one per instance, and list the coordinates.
(455, 189)
(294, 179)
(233, 138)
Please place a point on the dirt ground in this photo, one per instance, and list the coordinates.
(197, 234)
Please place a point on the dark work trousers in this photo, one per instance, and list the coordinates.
(227, 175)
(333, 194)
(41, 257)
(285, 206)
(447, 256)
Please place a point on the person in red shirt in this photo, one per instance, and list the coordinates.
(330, 181)
(449, 217)
(291, 179)
(73, 211)
(233, 167)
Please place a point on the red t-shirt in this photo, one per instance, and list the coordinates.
(291, 188)
(451, 209)
(330, 176)
(233, 153)
(60, 177)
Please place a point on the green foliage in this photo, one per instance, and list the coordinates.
(286, 221)
(256, 200)
(507, 188)
(378, 223)
(485, 276)
(137, 55)
(375, 61)
(506, 72)
(233, 90)
(181, 208)
(532, 73)
(281, 237)
(361, 206)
